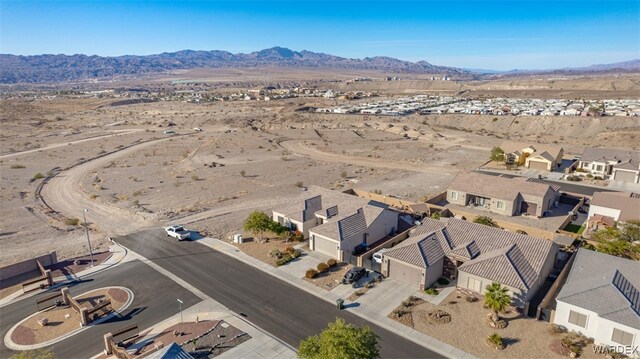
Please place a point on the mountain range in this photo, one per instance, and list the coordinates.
(60, 68)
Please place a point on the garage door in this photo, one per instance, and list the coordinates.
(325, 246)
(404, 273)
(528, 208)
(538, 165)
(625, 176)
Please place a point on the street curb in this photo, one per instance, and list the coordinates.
(11, 345)
(383, 325)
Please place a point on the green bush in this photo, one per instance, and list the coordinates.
(322, 267)
(496, 340)
(311, 273)
(284, 260)
(436, 215)
(332, 262)
(38, 176)
(431, 291)
(297, 236)
(296, 253)
(443, 281)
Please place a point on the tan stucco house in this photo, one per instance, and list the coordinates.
(502, 195)
(336, 222)
(475, 255)
(538, 156)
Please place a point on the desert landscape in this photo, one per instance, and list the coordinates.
(63, 152)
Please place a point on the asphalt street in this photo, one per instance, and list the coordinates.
(281, 309)
(154, 300)
(564, 186)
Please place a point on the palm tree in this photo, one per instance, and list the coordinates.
(497, 299)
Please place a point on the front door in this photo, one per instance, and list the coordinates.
(528, 208)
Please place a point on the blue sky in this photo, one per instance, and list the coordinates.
(473, 34)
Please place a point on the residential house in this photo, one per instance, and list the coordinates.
(608, 208)
(338, 236)
(502, 195)
(540, 157)
(474, 254)
(617, 165)
(336, 222)
(601, 299)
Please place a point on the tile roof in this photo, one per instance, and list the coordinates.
(509, 258)
(305, 204)
(603, 154)
(351, 223)
(497, 186)
(517, 147)
(506, 257)
(606, 285)
(422, 251)
(628, 203)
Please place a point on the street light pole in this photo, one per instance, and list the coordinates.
(86, 230)
(180, 306)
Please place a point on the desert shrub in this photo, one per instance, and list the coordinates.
(322, 267)
(17, 166)
(297, 236)
(299, 184)
(275, 253)
(311, 273)
(443, 281)
(495, 119)
(431, 291)
(496, 340)
(359, 292)
(285, 259)
(71, 221)
(296, 253)
(557, 347)
(399, 312)
(407, 303)
(243, 173)
(332, 262)
(520, 231)
(343, 174)
(557, 329)
(471, 298)
(589, 175)
(289, 250)
(38, 176)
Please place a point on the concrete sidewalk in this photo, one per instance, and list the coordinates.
(372, 306)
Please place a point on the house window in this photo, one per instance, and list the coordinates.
(621, 337)
(599, 168)
(475, 285)
(500, 205)
(578, 319)
(454, 195)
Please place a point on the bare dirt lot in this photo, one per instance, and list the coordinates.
(60, 155)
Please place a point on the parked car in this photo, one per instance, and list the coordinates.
(197, 129)
(178, 232)
(377, 256)
(359, 249)
(353, 275)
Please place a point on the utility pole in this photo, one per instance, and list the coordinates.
(86, 230)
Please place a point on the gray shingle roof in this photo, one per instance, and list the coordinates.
(311, 206)
(350, 223)
(506, 257)
(346, 203)
(606, 285)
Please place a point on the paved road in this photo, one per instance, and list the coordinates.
(154, 301)
(564, 186)
(283, 310)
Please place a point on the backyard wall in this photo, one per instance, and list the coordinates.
(27, 266)
(391, 201)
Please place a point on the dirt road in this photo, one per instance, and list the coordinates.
(299, 148)
(56, 145)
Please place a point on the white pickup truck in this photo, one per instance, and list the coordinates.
(178, 232)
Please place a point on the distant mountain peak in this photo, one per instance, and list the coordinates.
(60, 68)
